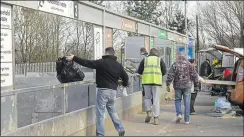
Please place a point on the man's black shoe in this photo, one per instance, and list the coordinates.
(122, 133)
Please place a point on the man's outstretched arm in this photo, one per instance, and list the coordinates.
(125, 78)
(86, 63)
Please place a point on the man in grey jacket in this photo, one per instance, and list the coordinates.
(136, 61)
(182, 74)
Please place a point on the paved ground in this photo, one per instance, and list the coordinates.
(201, 124)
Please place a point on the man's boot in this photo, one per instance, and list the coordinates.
(156, 121)
(148, 117)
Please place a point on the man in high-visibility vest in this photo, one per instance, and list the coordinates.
(152, 68)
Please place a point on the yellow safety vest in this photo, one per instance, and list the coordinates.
(152, 71)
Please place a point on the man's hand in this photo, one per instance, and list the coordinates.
(70, 57)
(196, 89)
(168, 88)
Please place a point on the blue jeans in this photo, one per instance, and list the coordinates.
(105, 99)
(186, 93)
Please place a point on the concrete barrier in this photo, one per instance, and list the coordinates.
(80, 122)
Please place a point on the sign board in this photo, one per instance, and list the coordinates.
(109, 37)
(6, 22)
(181, 50)
(190, 51)
(63, 8)
(162, 34)
(6, 74)
(98, 42)
(128, 25)
(6, 45)
(190, 42)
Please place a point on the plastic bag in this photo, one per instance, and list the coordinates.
(222, 103)
(122, 90)
(125, 92)
(68, 71)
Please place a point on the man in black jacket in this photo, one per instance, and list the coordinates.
(108, 72)
(205, 68)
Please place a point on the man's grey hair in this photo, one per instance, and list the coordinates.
(109, 51)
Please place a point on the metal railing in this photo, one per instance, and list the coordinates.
(44, 67)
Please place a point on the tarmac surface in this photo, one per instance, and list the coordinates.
(201, 124)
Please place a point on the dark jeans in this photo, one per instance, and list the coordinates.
(193, 98)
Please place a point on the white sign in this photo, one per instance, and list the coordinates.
(63, 8)
(6, 74)
(6, 45)
(98, 42)
(6, 16)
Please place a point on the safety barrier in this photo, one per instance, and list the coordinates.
(24, 108)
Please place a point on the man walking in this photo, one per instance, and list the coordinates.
(108, 72)
(182, 73)
(193, 92)
(136, 61)
(152, 69)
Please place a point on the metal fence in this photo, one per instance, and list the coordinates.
(44, 67)
(22, 69)
(23, 107)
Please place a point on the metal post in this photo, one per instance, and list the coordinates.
(197, 45)
(186, 49)
(104, 30)
(13, 49)
(78, 39)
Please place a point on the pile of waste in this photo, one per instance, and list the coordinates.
(222, 108)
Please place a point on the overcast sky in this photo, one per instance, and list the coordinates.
(192, 8)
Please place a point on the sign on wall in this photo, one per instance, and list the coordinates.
(6, 22)
(6, 74)
(63, 8)
(162, 34)
(6, 45)
(190, 51)
(128, 25)
(98, 42)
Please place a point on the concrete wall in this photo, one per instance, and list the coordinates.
(80, 122)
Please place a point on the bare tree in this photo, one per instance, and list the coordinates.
(222, 21)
